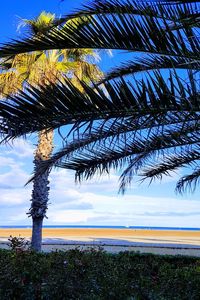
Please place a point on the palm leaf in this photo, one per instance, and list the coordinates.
(130, 125)
(172, 162)
(158, 9)
(188, 181)
(54, 106)
(111, 133)
(159, 140)
(149, 63)
(113, 31)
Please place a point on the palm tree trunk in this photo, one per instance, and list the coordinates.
(40, 193)
(36, 241)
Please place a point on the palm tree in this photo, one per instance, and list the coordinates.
(38, 69)
(145, 119)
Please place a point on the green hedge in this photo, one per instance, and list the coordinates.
(97, 275)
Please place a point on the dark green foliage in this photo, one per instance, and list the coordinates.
(18, 243)
(97, 275)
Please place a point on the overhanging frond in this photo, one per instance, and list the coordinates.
(149, 63)
(189, 157)
(113, 31)
(164, 107)
(54, 106)
(188, 182)
(134, 149)
(171, 10)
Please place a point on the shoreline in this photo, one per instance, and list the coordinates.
(77, 227)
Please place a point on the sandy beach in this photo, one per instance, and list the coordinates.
(126, 235)
(155, 241)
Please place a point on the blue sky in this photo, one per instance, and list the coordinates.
(94, 202)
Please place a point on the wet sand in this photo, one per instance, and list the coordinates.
(113, 240)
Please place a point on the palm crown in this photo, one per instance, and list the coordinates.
(139, 118)
(43, 67)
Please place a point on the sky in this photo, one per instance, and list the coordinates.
(94, 202)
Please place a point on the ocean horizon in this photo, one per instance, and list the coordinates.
(101, 227)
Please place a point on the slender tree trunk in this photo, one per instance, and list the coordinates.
(36, 241)
(40, 193)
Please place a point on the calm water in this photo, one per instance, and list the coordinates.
(113, 227)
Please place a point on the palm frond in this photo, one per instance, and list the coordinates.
(162, 146)
(54, 106)
(189, 157)
(188, 21)
(188, 182)
(135, 150)
(129, 125)
(111, 133)
(113, 31)
(149, 63)
(171, 10)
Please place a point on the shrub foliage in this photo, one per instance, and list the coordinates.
(97, 275)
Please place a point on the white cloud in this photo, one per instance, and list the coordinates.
(7, 161)
(64, 179)
(20, 148)
(14, 197)
(12, 180)
(15, 177)
(95, 202)
(72, 205)
(69, 217)
(118, 210)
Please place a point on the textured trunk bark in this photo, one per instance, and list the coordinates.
(36, 242)
(40, 193)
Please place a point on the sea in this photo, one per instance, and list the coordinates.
(109, 227)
